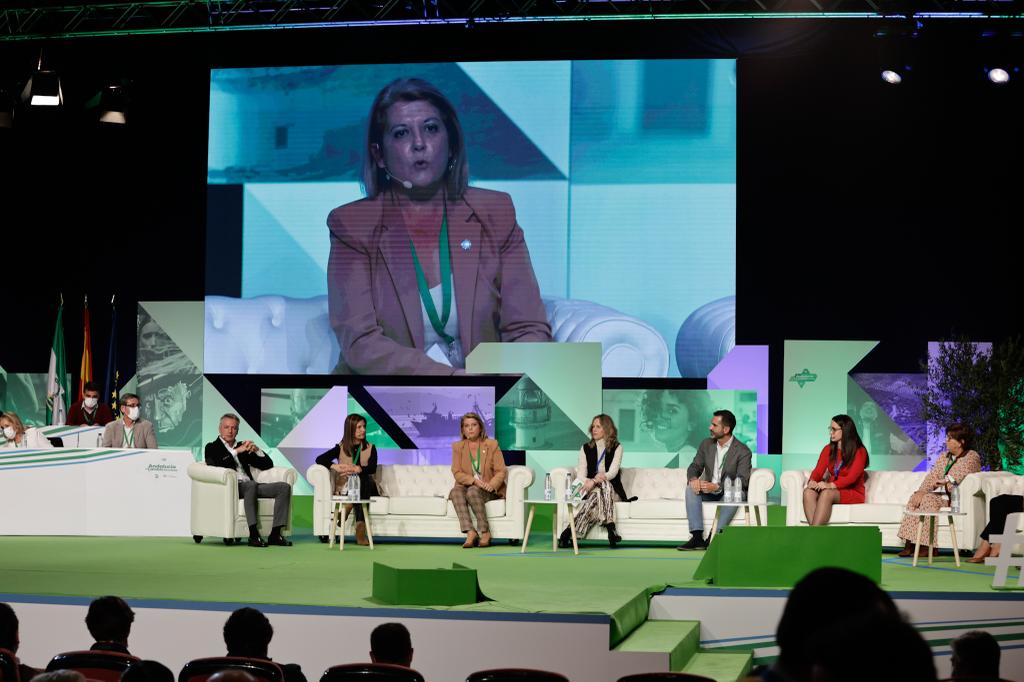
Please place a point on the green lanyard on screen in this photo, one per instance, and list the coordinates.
(438, 323)
(475, 462)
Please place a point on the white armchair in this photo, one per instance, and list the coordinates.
(660, 511)
(280, 335)
(414, 502)
(216, 508)
(1005, 483)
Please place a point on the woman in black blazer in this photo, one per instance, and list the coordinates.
(354, 456)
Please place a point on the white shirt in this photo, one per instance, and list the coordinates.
(720, 450)
(129, 440)
(431, 337)
(238, 464)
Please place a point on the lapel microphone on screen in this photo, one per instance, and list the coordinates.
(404, 183)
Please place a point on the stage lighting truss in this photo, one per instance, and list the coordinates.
(35, 19)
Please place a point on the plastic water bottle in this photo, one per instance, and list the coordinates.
(353, 487)
(728, 496)
(549, 493)
(568, 486)
(737, 490)
(954, 499)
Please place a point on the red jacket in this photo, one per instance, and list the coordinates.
(851, 478)
(103, 415)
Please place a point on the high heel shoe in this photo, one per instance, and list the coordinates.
(471, 540)
(565, 539)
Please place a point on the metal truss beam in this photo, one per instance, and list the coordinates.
(55, 19)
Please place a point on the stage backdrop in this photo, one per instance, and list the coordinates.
(622, 174)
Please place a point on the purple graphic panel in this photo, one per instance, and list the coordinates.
(745, 368)
(430, 415)
(898, 397)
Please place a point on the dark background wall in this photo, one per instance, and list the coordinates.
(865, 211)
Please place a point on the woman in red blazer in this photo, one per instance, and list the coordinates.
(839, 476)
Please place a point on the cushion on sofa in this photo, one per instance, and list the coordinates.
(422, 505)
(875, 513)
(657, 509)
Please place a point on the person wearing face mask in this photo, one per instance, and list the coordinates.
(426, 267)
(18, 436)
(89, 411)
(129, 431)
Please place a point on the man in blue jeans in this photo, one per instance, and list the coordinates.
(719, 457)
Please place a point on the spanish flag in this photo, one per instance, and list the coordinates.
(85, 373)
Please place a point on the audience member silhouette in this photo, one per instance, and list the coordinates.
(110, 622)
(10, 640)
(390, 643)
(975, 657)
(247, 634)
(147, 671)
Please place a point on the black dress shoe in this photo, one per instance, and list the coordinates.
(613, 537)
(280, 541)
(257, 542)
(696, 542)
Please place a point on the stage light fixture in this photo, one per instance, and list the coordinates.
(112, 104)
(998, 76)
(43, 90)
(892, 76)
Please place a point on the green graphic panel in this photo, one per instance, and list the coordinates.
(215, 406)
(881, 435)
(281, 410)
(170, 381)
(668, 424)
(527, 419)
(568, 373)
(815, 388)
(25, 395)
(375, 433)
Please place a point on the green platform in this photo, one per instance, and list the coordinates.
(425, 586)
(781, 556)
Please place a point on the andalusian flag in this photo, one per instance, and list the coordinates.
(85, 372)
(57, 389)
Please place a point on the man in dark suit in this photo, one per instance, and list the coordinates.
(247, 634)
(243, 457)
(719, 457)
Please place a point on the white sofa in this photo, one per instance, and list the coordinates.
(1005, 484)
(217, 509)
(660, 511)
(414, 502)
(280, 335)
(886, 494)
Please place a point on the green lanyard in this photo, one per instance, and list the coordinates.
(952, 461)
(358, 456)
(475, 462)
(129, 437)
(438, 323)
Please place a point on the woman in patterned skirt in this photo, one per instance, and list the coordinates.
(598, 468)
(949, 470)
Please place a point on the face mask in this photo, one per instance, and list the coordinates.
(91, 402)
(9, 432)
(133, 413)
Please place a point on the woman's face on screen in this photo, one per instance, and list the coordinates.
(415, 144)
(672, 424)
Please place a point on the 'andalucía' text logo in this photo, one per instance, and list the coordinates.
(803, 377)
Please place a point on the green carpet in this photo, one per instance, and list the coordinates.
(613, 582)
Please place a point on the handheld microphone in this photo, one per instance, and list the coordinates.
(404, 183)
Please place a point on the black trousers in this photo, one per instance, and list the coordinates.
(999, 508)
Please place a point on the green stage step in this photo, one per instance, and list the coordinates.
(723, 667)
(677, 638)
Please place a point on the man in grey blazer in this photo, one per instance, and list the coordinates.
(719, 457)
(129, 431)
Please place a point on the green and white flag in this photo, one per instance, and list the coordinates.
(57, 388)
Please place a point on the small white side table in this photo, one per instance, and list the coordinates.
(932, 516)
(753, 511)
(338, 517)
(532, 504)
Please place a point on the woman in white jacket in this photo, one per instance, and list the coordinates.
(17, 436)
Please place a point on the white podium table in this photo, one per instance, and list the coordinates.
(83, 491)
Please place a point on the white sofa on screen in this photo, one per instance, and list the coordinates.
(217, 509)
(660, 511)
(886, 494)
(280, 335)
(413, 502)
